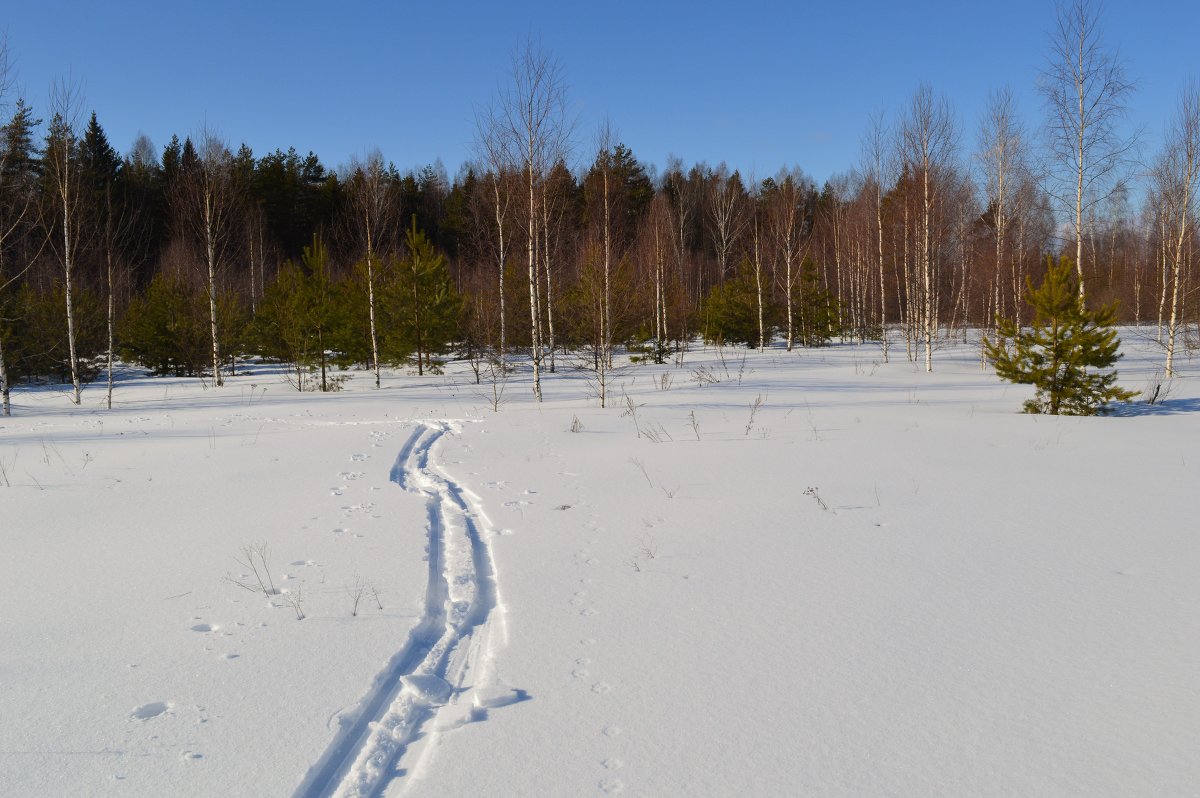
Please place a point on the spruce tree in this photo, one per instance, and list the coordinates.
(1067, 352)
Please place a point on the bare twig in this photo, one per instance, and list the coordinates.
(813, 492)
(642, 467)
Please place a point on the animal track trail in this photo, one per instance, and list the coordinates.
(444, 675)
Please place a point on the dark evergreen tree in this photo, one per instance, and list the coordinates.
(730, 313)
(99, 161)
(298, 315)
(166, 329)
(425, 302)
(1066, 353)
(815, 308)
(172, 162)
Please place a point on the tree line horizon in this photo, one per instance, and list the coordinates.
(187, 259)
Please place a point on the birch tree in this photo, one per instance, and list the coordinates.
(1176, 176)
(61, 164)
(533, 115)
(1086, 91)
(787, 211)
(1000, 157)
(208, 208)
(928, 142)
(876, 171)
(727, 215)
(372, 217)
(493, 143)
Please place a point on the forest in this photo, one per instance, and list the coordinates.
(562, 246)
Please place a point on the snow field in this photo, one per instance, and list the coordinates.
(970, 601)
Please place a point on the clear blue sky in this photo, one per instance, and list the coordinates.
(759, 85)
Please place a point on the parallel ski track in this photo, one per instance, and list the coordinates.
(448, 647)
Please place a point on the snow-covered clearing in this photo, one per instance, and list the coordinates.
(793, 574)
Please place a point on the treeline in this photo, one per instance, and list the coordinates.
(188, 260)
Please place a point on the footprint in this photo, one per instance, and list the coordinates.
(600, 688)
(206, 627)
(152, 710)
(579, 673)
(583, 661)
(587, 612)
(231, 656)
(612, 764)
(358, 458)
(588, 641)
(612, 786)
(191, 755)
(612, 731)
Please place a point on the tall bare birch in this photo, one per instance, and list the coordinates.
(1086, 91)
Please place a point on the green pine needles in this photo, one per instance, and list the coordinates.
(1066, 353)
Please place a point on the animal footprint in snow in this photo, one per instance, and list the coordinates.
(206, 627)
(191, 755)
(612, 764)
(497, 485)
(611, 731)
(579, 673)
(350, 475)
(587, 612)
(358, 458)
(517, 503)
(337, 491)
(612, 786)
(152, 710)
(600, 688)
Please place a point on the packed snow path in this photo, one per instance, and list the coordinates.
(443, 676)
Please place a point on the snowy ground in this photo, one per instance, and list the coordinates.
(968, 601)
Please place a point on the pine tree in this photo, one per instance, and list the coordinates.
(1063, 350)
(426, 302)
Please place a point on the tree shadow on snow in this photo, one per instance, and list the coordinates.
(1167, 407)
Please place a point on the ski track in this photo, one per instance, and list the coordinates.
(444, 674)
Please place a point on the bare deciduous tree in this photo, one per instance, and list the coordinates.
(1001, 160)
(373, 219)
(61, 164)
(928, 140)
(877, 173)
(1175, 176)
(1086, 93)
(208, 209)
(727, 214)
(532, 117)
(788, 228)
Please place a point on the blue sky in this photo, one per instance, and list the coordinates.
(760, 86)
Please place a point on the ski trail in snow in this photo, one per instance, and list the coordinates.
(444, 673)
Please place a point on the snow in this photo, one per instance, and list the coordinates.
(880, 582)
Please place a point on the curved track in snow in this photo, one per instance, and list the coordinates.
(443, 676)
